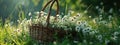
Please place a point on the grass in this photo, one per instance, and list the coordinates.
(108, 31)
(104, 28)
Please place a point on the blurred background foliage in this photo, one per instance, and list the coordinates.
(19, 9)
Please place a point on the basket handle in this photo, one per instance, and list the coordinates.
(57, 12)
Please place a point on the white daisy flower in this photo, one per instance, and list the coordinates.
(86, 30)
(78, 23)
(85, 11)
(97, 7)
(37, 13)
(116, 33)
(71, 19)
(90, 16)
(92, 32)
(78, 15)
(78, 28)
(71, 12)
(29, 14)
(83, 24)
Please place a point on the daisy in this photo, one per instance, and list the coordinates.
(78, 28)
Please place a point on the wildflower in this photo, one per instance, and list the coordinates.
(29, 13)
(18, 31)
(109, 17)
(83, 24)
(37, 13)
(104, 22)
(86, 30)
(44, 23)
(21, 23)
(85, 11)
(99, 37)
(71, 19)
(101, 3)
(78, 23)
(36, 21)
(89, 16)
(111, 10)
(63, 20)
(71, 11)
(18, 21)
(91, 43)
(24, 20)
(114, 37)
(77, 28)
(74, 17)
(118, 26)
(75, 41)
(78, 14)
(94, 21)
(57, 15)
(52, 18)
(31, 17)
(54, 43)
(101, 17)
(42, 13)
(45, 17)
(92, 32)
(97, 7)
(116, 33)
(6, 25)
(84, 41)
(29, 22)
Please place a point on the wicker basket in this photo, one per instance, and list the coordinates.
(46, 33)
(41, 33)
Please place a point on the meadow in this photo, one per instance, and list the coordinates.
(102, 28)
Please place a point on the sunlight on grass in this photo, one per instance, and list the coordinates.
(89, 28)
(102, 31)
